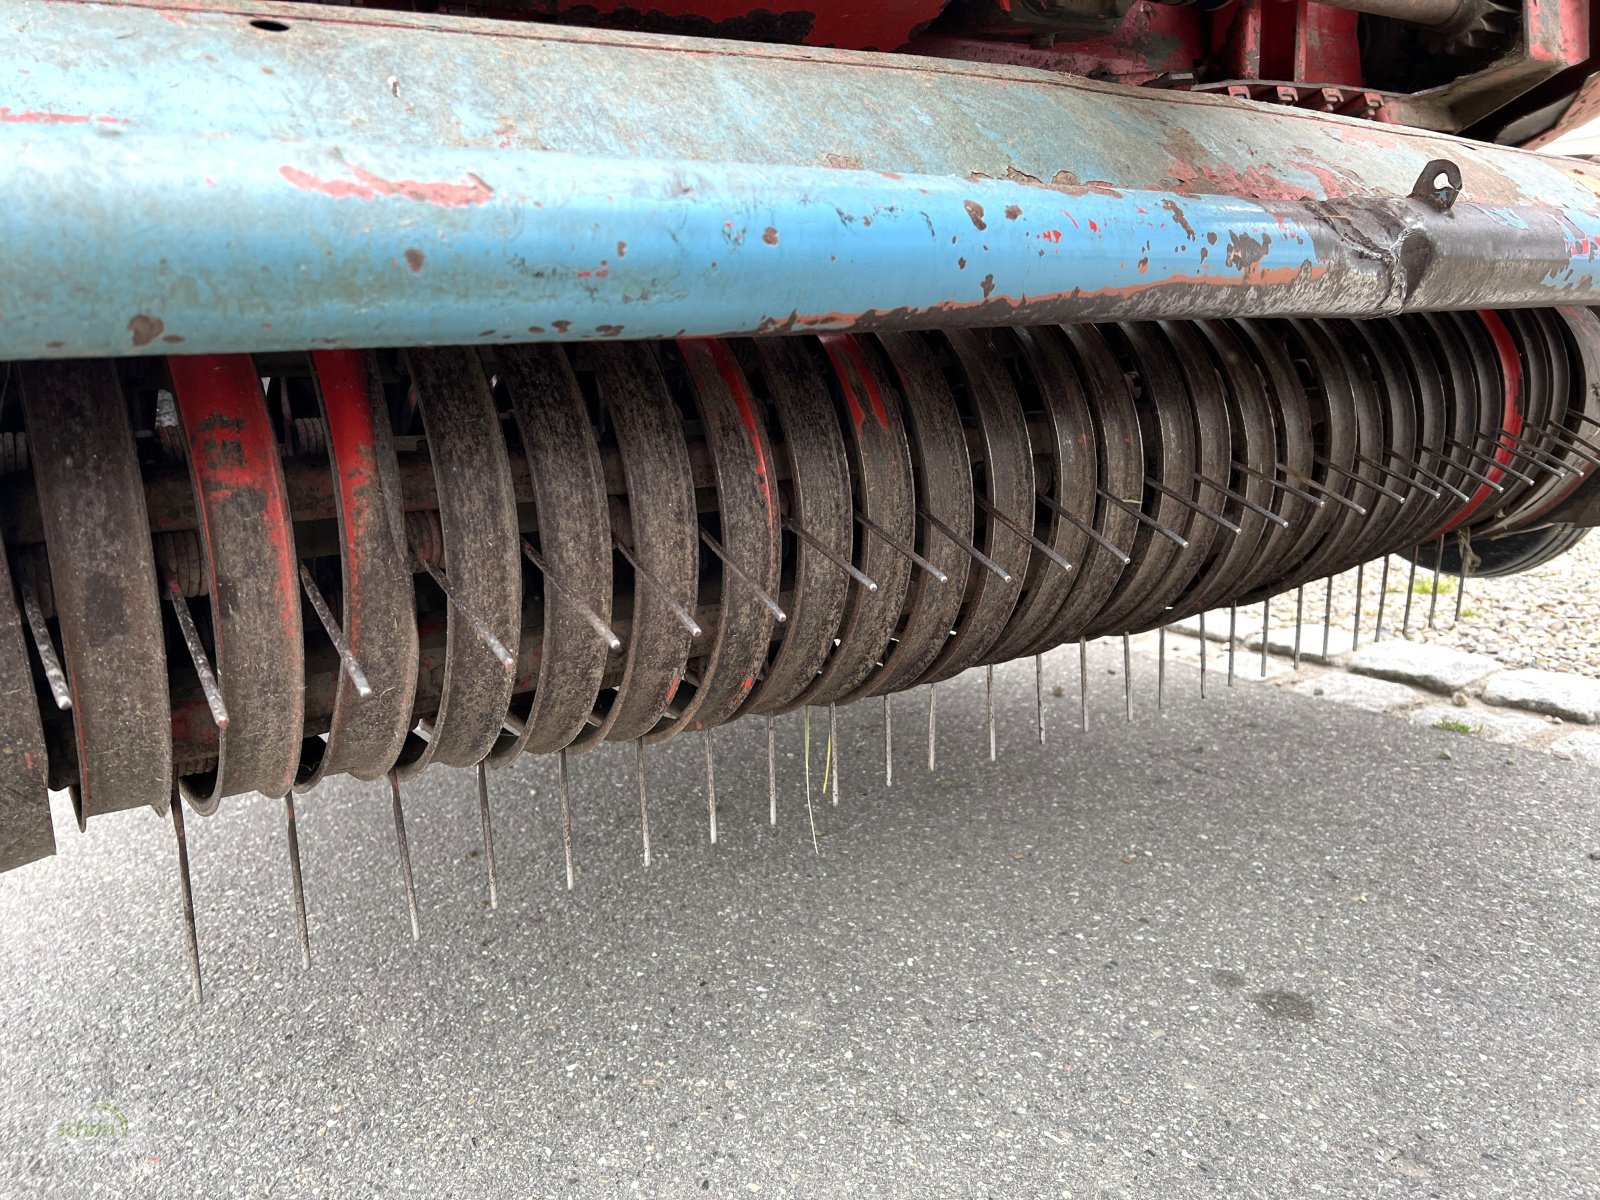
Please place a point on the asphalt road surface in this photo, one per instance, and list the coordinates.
(1260, 946)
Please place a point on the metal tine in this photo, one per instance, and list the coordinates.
(584, 611)
(405, 857)
(1587, 419)
(644, 798)
(772, 605)
(1202, 656)
(1138, 514)
(900, 547)
(1266, 629)
(297, 884)
(1399, 476)
(1299, 616)
(358, 677)
(1083, 684)
(191, 936)
(835, 748)
(1390, 493)
(1327, 618)
(197, 653)
(1161, 669)
(1127, 675)
(488, 836)
(1383, 599)
(507, 660)
(1044, 549)
(988, 680)
(1519, 448)
(1479, 476)
(933, 723)
(772, 774)
(1411, 587)
(1464, 549)
(1417, 466)
(685, 617)
(811, 813)
(566, 813)
(1038, 693)
(711, 787)
(844, 564)
(54, 675)
(1260, 510)
(1337, 497)
(1233, 638)
(1355, 634)
(888, 742)
(1454, 444)
(1282, 485)
(1576, 443)
(1438, 561)
(1079, 523)
(1000, 572)
(1172, 493)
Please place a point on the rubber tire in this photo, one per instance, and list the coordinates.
(1508, 555)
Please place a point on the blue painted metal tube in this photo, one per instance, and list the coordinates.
(151, 227)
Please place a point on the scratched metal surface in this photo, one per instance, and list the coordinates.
(176, 179)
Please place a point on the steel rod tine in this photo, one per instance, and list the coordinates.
(404, 849)
(1083, 685)
(583, 610)
(1327, 618)
(566, 815)
(1417, 466)
(1233, 638)
(933, 723)
(488, 836)
(772, 773)
(983, 559)
(1411, 587)
(811, 813)
(1080, 524)
(1336, 497)
(1299, 617)
(1399, 476)
(1454, 444)
(1138, 514)
(1266, 622)
(347, 658)
(1575, 442)
(711, 787)
(54, 675)
(1203, 650)
(1282, 485)
(1127, 675)
(1260, 510)
(644, 796)
(496, 647)
(1038, 694)
(1464, 550)
(844, 564)
(835, 748)
(1587, 419)
(1520, 448)
(297, 884)
(901, 548)
(888, 742)
(1355, 633)
(1438, 562)
(988, 679)
(1161, 669)
(1471, 473)
(1200, 510)
(191, 936)
(772, 605)
(1043, 548)
(1355, 477)
(685, 617)
(1383, 599)
(197, 653)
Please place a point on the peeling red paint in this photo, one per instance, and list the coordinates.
(844, 352)
(368, 186)
(414, 259)
(9, 117)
